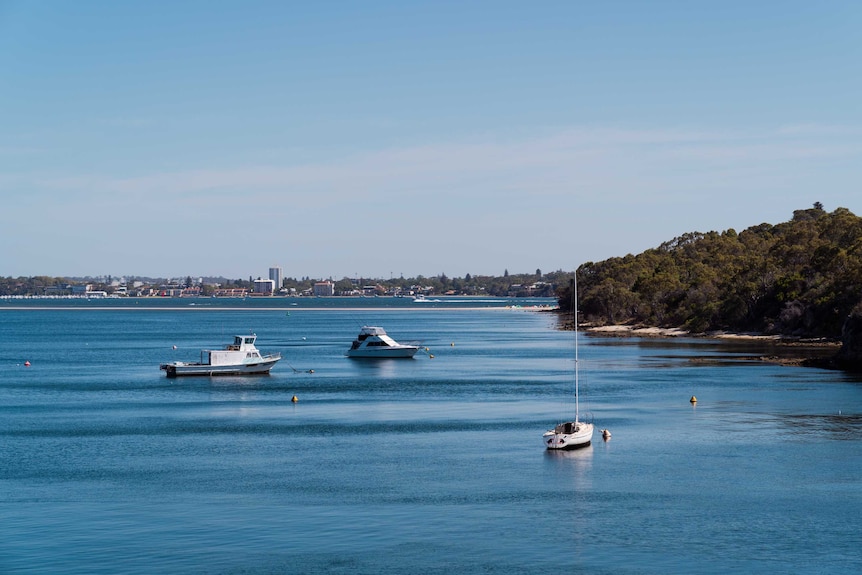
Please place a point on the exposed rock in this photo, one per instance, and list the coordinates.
(850, 355)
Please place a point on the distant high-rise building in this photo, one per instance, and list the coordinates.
(276, 276)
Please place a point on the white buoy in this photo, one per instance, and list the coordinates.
(606, 434)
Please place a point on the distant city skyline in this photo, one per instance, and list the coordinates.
(382, 139)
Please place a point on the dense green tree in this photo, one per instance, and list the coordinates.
(800, 277)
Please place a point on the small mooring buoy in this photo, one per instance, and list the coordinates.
(175, 347)
(294, 399)
(693, 399)
(27, 363)
(606, 434)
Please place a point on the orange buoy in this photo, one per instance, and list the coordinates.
(693, 399)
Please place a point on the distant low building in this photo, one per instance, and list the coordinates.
(324, 288)
(263, 287)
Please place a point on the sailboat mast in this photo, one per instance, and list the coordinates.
(575, 296)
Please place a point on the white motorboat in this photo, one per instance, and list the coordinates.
(571, 434)
(420, 298)
(373, 342)
(239, 358)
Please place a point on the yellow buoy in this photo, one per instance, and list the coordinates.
(294, 399)
(693, 399)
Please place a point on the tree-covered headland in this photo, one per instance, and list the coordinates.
(798, 278)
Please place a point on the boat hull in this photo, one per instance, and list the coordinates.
(383, 352)
(181, 369)
(573, 435)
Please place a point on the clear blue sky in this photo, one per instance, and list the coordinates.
(409, 138)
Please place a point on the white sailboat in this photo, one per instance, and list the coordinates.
(571, 434)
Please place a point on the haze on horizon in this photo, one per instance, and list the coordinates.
(383, 139)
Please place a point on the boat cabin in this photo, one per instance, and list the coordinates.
(378, 338)
(566, 428)
(242, 350)
(242, 343)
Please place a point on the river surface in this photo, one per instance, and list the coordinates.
(430, 465)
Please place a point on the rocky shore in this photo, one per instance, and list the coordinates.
(844, 354)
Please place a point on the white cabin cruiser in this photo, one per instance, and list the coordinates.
(373, 342)
(239, 358)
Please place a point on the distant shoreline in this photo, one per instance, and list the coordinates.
(204, 308)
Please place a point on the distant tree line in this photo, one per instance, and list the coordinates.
(802, 278)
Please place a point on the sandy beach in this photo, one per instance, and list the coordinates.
(643, 331)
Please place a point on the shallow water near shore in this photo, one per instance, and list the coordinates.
(430, 465)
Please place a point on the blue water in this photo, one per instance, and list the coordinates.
(431, 465)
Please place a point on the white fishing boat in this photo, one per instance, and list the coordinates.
(239, 358)
(576, 433)
(372, 342)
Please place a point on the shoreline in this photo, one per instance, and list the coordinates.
(660, 332)
(206, 307)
